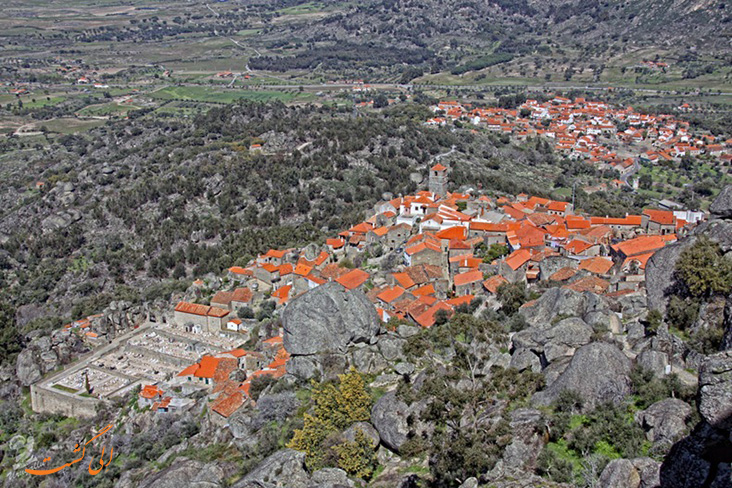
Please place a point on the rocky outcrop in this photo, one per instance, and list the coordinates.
(189, 473)
(45, 354)
(715, 390)
(660, 268)
(330, 478)
(371, 433)
(722, 205)
(700, 460)
(328, 319)
(283, 469)
(664, 421)
(704, 457)
(323, 325)
(390, 417)
(660, 273)
(598, 372)
(630, 473)
(527, 427)
(554, 342)
(563, 302)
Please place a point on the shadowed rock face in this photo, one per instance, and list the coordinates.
(715, 390)
(704, 458)
(722, 205)
(328, 319)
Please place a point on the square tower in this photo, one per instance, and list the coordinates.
(438, 180)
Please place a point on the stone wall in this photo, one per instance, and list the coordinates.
(50, 400)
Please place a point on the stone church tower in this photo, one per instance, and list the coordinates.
(438, 180)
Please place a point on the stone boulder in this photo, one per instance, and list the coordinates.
(665, 421)
(563, 302)
(722, 205)
(715, 390)
(660, 273)
(556, 341)
(328, 319)
(527, 427)
(330, 478)
(283, 469)
(630, 473)
(189, 473)
(597, 371)
(654, 361)
(701, 459)
(27, 367)
(371, 433)
(390, 415)
(329, 329)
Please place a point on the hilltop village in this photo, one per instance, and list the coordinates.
(596, 132)
(418, 259)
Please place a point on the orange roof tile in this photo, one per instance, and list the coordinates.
(640, 245)
(463, 300)
(663, 217)
(457, 232)
(492, 283)
(404, 280)
(225, 405)
(282, 293)
(597, 265)
(563, 274)
(207, 367)
(427, 318)
(427, 289)
(353, 279)
(391, 294)
(468, 277)
(335, 243)
(589, 283)
(518, 258)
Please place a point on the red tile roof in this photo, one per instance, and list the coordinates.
(492, 283)
(518, 258)
(468, 277)
(597, 265)
(391, 294)
(353, 279)
(563, 274)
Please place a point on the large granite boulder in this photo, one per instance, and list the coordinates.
(527, 427)
(704, 457)
(330, 478)
(630, 473)
(27, 367)
(563, 302)
(722, 205)
(598, 372)
(328, 319)
(660, 273)
(371, 433)
(189, 473)
(556, 341)
(390, 415)
(665, 421)
(715, 390)
(283, 469)
(700, 460)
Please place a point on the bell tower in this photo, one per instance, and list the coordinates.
(438, 180)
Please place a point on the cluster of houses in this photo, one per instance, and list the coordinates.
(584, 129)
(446, 250)
(226, 377)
